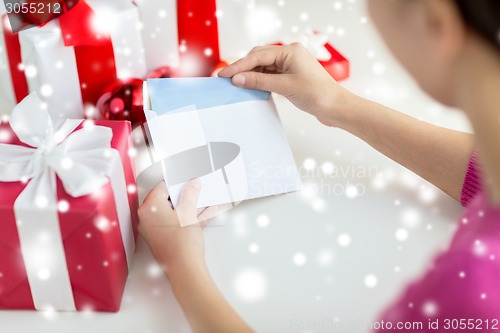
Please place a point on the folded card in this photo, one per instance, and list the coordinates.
(229, 137)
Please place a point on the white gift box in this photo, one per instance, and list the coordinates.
(160, 33)
(56, 77)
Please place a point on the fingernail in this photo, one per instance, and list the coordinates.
(239, 80)
(196, 183)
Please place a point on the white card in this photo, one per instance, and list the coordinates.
(228, 137)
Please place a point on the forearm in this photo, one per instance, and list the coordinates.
(437, 154)
(204, 305)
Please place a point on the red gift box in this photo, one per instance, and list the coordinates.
(69, 61)
(92, 234)
(181, 34)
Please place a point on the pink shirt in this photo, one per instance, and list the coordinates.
(461, 290)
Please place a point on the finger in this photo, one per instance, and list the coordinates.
(158, 193)
(260, 57)
(204, 224)
(188, 200)
(161, 189)
(257, 69)
(208, 213)
(269, 69)
(258, 48)
(278, 83)
(200, 210)
(221, 209)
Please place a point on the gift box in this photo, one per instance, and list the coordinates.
(75, 57)
(194, 35)
(13, 84)
(68, 207)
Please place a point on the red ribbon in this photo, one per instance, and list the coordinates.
(199, 34)
(94, 53)
(19, 83)
(338, 65)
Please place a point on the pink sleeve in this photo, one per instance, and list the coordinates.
(459, 286)
(472, 182)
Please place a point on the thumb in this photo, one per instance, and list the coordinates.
(188, 200)
(158, 195)
(277, 83)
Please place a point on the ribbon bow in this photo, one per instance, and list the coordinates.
(84, 161)
(80, 159)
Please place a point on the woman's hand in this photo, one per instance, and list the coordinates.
(291, 71)
(162, 226)
(179, 250)
(294, 73)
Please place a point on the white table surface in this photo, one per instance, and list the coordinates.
(255, 266)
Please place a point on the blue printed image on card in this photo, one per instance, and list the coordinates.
(172, 94)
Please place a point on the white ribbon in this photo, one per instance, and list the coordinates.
(84, 161)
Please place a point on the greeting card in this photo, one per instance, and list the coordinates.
(229, 137)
